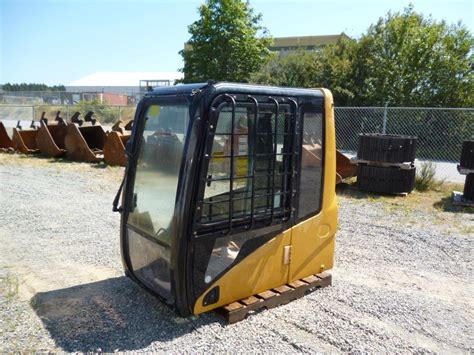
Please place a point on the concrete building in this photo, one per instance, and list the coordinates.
(122, 82)
(288, 44)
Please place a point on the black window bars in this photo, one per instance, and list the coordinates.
(266, 215)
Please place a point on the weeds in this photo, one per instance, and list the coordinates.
(425, 178)
(8, 287)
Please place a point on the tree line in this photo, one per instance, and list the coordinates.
(32, 87)
(404, 59)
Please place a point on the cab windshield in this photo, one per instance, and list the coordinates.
(157, 172)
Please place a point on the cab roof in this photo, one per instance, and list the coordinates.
(238, 88)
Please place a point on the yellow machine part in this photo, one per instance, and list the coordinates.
(311, 242)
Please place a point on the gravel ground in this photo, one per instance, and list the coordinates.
(402, 281)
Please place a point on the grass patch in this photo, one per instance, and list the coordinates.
(61, 164)
(438, 199)
(8, 287)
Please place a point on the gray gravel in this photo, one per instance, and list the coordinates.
(402, 281)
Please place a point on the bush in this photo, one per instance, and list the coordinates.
(425, 178)
(103, 113)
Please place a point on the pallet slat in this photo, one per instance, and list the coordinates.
(250, 300)
(233, 306)
(404, 166)
(282, 289)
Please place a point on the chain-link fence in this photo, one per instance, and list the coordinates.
(69, 98)
(105, 114)
(440, 131)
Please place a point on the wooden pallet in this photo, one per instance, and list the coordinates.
(237, 311)
(403, 166)
(458, 199)
(464, 171)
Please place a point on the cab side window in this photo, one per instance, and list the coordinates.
(312, 162)
(248, 168)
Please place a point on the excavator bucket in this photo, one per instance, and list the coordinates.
(344, 168)
(85, 143)
(24, 141)
(114, 148)
(5, 141)
(121, 128)
(50, 139)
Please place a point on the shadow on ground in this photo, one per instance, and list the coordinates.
(446, 204)
(351, 190)
(110, 315)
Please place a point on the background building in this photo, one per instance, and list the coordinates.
(288, 44)
(122, 82)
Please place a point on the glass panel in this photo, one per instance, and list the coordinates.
(157, 173)
(311, 164)
(217, 190)
(253, 151)
(242, 117)
(224, 253)
(150, 263)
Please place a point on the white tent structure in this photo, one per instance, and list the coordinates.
(122, 82)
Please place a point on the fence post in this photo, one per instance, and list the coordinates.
(33, 112)
(384, 127)
(120, 113)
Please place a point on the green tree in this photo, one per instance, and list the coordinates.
(404, 59)
(409, 60)
(329, 66)
(102, 112)
(227, 43)
(297, 69)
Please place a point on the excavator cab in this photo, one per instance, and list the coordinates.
(229, 191)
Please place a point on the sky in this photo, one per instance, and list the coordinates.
(58, 41)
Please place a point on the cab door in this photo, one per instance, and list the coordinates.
(315, 219)
(148, 220)
(244, 205)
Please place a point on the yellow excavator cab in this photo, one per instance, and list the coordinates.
(229, 191)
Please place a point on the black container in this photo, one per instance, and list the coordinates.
(467, 155)
(386, 148)
(389, 180)
(469, 187)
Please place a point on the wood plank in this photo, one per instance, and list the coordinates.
(311, 279)
(282, 289)
(464, 171)
(233, 306)
(235, 316)
(267, 294)
(250, 300)
(326, 278)
(404, 166)
(297, 284)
